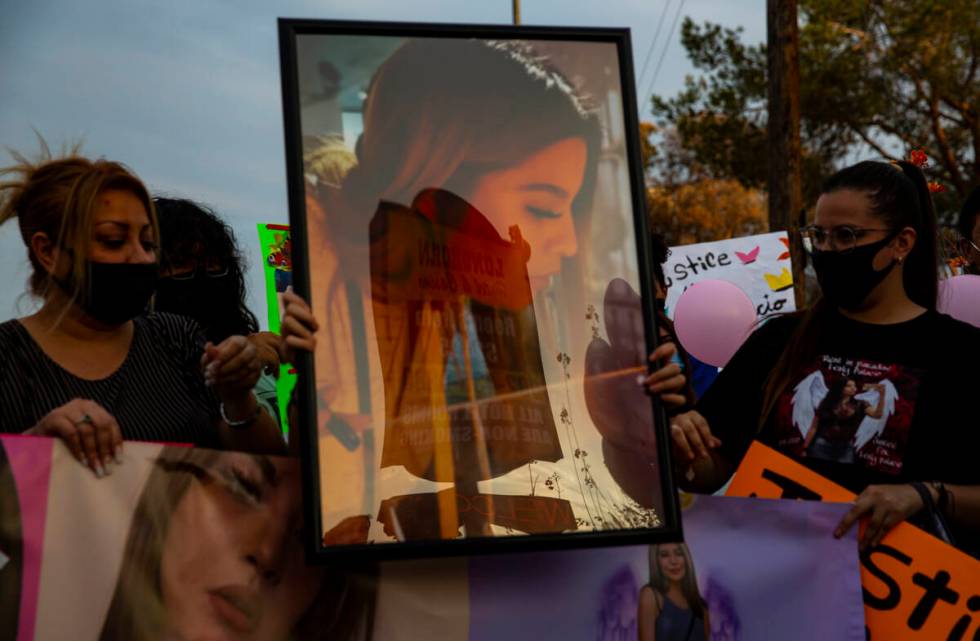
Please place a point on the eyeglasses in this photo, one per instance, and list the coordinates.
(842, 238)
(189, 270)
(967, 244)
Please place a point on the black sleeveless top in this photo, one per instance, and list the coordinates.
(157, 394)
(677, 624)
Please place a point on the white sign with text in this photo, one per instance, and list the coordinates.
(759, 265)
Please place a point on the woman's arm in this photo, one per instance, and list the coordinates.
(647, 613)
(888, 505)
(879, 409)
(812, 432)
(232, 369)
(963, 505)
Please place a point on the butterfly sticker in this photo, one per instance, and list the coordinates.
(749, 257)
(778, 283)
(785, 254)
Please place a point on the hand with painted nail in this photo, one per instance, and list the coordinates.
(691, 437)
(88, 430)
(298, 327)
(232, 367)
(885, 506)
(667, 381)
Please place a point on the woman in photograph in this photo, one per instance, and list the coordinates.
(874, 249)
(836, 422)
(671, 606)
(476, 167)
(214, 551)
(91, 367)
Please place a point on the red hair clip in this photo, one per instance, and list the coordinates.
(936, 188)
(919, 158)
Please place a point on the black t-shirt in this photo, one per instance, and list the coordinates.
(878, 404)
(157, 394)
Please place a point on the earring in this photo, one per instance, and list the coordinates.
(900, 259)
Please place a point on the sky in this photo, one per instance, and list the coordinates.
(186, 92)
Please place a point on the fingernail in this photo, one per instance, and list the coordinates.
(99, 472)
(117, 458)
(106, 470)
(640, 379)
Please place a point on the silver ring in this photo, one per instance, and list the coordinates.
(85, 419)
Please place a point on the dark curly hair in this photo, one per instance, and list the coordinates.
(190, 230)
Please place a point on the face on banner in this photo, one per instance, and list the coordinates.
(750, 569)
(212, 549)
(474, 266)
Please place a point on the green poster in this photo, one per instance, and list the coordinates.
(278, 268)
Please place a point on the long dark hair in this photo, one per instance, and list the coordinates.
(900, 197)
(342, 609)
(191, 230)
(833, 397)
(689, 584)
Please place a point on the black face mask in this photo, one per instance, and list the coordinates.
(210, 300)
(116, 292)
(847, 279)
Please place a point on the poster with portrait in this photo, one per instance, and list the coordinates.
(749, 569)
(181, 543)
(468, 225)
(175, 543)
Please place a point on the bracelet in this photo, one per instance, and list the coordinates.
(943, 495)
(245, 422)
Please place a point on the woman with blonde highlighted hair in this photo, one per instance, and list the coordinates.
(91, 366)
(671, 606)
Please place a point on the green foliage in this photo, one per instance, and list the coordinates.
(877, 79)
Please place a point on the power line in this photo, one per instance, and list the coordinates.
(653, 43)
(663, 53)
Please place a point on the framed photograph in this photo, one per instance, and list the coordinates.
(468, 224)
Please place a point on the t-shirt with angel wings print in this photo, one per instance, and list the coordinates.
(849, 410)
(878, 404)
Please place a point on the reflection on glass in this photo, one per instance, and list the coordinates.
(455, 252)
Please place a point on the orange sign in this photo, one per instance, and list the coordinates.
(915, 586)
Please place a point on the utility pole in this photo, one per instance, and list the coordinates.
(785, 192)
(516, 7)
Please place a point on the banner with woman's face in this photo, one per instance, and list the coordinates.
(176, 543)
(467, 204)
(179, 544)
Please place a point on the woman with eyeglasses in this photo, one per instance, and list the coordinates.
(91, 367)
(870, 386)
(202, 277)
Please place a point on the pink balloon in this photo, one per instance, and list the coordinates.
(959, 297)
(713, 318)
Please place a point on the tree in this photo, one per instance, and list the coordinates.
(878, 76)
(706, 209)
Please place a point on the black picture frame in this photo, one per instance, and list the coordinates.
(290, 31)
